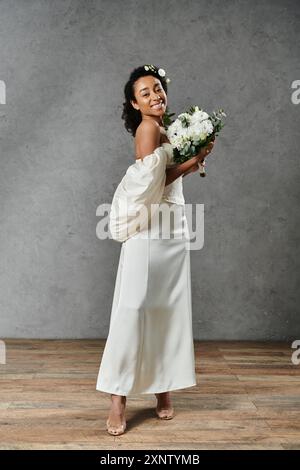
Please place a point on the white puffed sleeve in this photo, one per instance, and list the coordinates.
(141, 186)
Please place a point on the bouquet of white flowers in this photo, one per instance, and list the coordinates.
(191, 131)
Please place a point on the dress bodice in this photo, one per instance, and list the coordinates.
(173, 192)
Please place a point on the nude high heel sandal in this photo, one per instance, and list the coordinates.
(116, 430)
(165, 413)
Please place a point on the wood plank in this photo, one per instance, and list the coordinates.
(247, 397)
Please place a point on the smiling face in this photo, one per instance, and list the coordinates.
(150, 96)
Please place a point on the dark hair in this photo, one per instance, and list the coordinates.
(132, 116)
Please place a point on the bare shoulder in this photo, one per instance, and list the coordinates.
(147, 125)
(147, 138)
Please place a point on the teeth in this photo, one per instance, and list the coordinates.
(159, 105)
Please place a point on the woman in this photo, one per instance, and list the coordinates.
(149, 348)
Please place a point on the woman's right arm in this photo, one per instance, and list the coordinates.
(174, 172)
(187, 167)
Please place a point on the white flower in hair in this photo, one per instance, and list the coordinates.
(161, 72)
(150, 67)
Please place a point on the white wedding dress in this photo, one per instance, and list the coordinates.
(149, 348)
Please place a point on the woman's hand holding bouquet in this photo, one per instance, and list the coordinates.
(192, 135)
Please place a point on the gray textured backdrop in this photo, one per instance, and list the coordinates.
(64, 149)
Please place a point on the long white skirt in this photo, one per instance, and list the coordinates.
(149, 348)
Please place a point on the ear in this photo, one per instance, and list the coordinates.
(135, 105)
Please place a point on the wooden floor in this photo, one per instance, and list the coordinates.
(247, 397)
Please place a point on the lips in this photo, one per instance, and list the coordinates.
(157, 105)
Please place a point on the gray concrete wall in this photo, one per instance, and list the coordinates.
(64, 150)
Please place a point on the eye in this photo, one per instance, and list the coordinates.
(158, 89)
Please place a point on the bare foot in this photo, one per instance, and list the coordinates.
(164, 407)
(116, 422)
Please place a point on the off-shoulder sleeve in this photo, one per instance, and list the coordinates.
(142, 185)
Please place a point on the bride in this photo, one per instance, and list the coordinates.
(149, 348)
